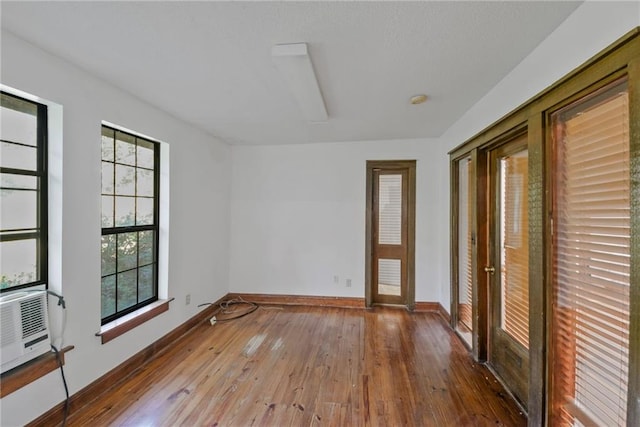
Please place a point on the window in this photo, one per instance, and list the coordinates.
(129, 252)
(514, 239)
(465, 245)
(23, 193)
(591, 260)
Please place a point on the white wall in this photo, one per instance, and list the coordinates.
(298, 217)
(592, 27)
(297, 212)
(199, 214)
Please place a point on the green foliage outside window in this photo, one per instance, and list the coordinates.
(129, 221)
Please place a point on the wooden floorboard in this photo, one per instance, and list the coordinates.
(311, 366)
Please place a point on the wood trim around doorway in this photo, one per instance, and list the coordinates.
(410, 165)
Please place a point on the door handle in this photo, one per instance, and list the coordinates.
(489, 270)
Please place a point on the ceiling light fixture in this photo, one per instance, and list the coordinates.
(418, 99)
(294, 63)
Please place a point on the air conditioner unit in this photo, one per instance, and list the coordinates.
(24, 328)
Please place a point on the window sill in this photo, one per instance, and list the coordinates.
(113, 330)
(22, 375)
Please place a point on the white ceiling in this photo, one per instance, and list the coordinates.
(209, 63)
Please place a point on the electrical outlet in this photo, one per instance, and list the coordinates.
(188, 299)
(336, 279)
(348, 283)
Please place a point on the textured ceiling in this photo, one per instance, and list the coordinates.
(209, 63)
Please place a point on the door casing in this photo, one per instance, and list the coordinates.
(391, 165)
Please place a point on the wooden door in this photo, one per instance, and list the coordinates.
(463, 307)
(508, 269)
(390, 235)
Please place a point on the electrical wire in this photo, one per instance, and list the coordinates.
(225, 308)
(63, 322)
(66, 388)
(60, 298)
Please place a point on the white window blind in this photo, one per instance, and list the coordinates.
(389, 271)
(591, 286)
(465, 296)
(514, 269)
(390, 209)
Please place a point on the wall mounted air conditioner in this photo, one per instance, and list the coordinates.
(24, 328)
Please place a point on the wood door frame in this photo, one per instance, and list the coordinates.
(410, 166)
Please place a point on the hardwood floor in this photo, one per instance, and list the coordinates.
(301, 366)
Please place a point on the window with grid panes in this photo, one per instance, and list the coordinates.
(23, 193)
(130, 200)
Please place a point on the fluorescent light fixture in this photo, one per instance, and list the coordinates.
(294, 63)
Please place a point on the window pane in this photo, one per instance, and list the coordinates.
(8, 180)
(145, 247)
(145, 183)
(18, 156)
(19, 209)
(144, 211)
(145, 154)
(127, 289)
(107, 211)
(390, 209)
(145, 282)
(19, 120)
(125, 180)
(389, 276)
(127, 251)
(107, 178)
(107, 144)
(108, 296)
(592, 260)
(108, 254)
(514, 257)
(18, 262)
(132, 204)
(20, 196)
(465, 282)
(125, 211)
(125, 149)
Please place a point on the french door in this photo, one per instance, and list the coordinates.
(508, 266)
(545, 245)
(464, 239)
(591, 262)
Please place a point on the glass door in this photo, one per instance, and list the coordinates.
(509, 266)
(464, 261)
(390, 239)
(390, 236)
(591, 260)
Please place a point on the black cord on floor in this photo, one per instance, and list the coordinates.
(66, 388)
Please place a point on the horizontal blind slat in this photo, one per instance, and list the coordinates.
(515, 245)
